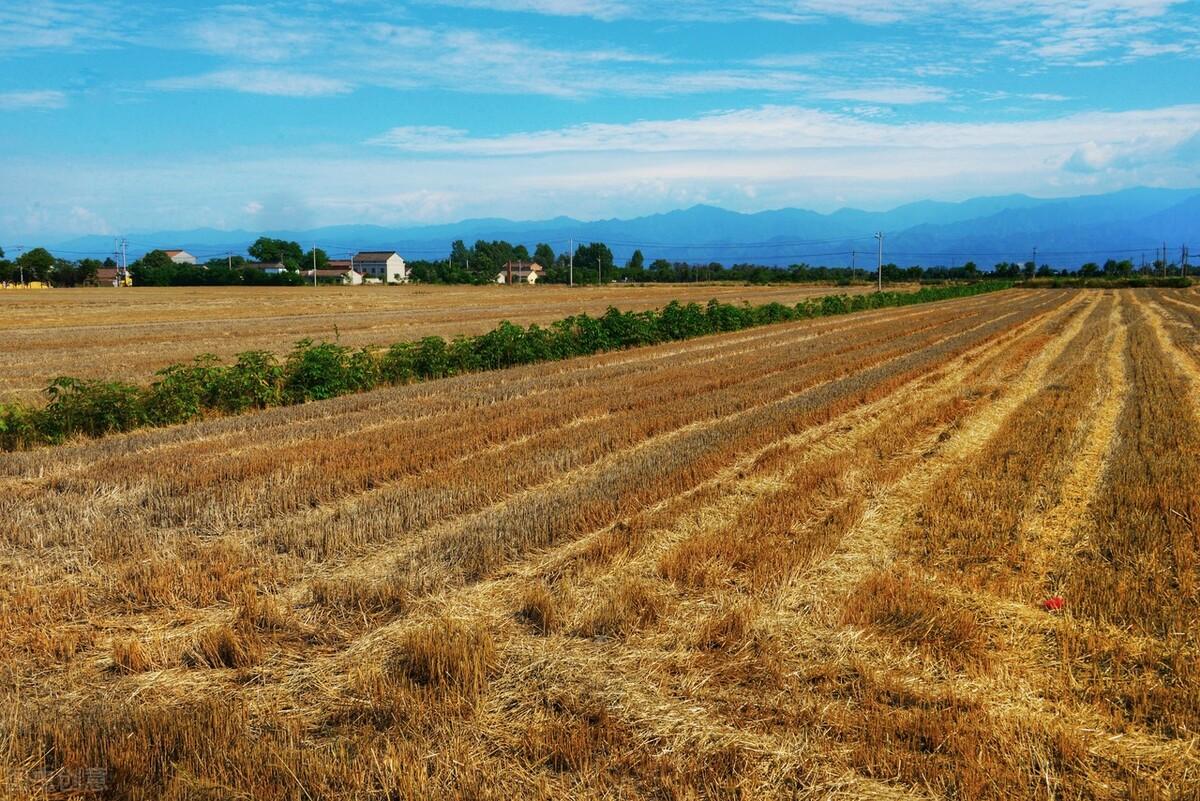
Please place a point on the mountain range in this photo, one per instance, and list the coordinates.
(1131, 223)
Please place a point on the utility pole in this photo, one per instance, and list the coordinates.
(314, 266)
(1164, 259)
(20, 265)
(1035, 258)
(879, 236)
(229, 259)
(1183, 260)
(571, 263)
(599, 277)
(124, 265)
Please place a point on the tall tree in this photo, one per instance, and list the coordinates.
(543, 254)
(36, 264)
(265, 249)
(637, 264)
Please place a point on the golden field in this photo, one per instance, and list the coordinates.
(800, 561)
(129, 333)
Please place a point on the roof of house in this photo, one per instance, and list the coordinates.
(335, 264)
(107, 272)
(331, 273)
(264, 265)
(375, 255)
(175, 252)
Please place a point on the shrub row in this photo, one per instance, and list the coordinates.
(320, 370)
(1133, 281)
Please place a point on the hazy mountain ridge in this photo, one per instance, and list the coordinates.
(1066, 231)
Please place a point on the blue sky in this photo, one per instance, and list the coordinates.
(118, 117)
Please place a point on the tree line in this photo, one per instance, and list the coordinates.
(320, 370)
(480, 263)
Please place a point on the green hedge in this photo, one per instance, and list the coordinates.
(1134, 282)
(320, 370)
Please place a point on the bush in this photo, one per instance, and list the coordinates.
(254, 381)
(20, 427)
(182, 391)
(94, 408)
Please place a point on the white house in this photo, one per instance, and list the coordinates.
(268, 267)
(180, 256)
(381, 265)
(519, 272)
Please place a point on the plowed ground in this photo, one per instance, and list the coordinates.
(801, 561)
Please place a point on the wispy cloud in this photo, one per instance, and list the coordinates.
(897, 94)
(259, 82)
(786, 128)
(39, 100)
(30, 25)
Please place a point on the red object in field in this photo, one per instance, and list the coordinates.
(1053, 604)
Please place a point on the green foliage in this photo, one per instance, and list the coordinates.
(320, 370)
(94, 408)
(1094, 280)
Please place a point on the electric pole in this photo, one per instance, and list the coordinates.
(879, 236)
(314, 266)
(1164, 259)
(571, 263)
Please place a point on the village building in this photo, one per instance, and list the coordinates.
(381, 266)
(180, 256)
(337, 271)
(519, 272)
(268, 267)
(113, 276)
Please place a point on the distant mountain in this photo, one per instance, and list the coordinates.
(1066, 232)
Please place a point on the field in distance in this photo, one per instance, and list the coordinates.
(128, 334)
(808, 560)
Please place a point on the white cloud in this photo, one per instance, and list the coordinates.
(894, 95)
(259, 82)
(53, 24)
(39, 100)
(789, 128)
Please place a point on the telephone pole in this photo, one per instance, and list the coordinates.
(571, 263)
(879, 236)
(314, 266)
(1164, 259)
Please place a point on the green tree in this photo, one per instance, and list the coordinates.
(637, 265)
(543, 254)
(593, 262)
(266, 249)
(36, 264)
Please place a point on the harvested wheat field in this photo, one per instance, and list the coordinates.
(130, 333)
(807, 560)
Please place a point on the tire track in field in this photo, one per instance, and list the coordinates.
(868, 546)
(378, 562)
(837, 437)
(378, 559)
(371, 560)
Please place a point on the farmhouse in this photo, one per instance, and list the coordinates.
(519, 272)
(384, 266)
(180, 256)
(338, 271)
(113, 276)
(268, 267)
